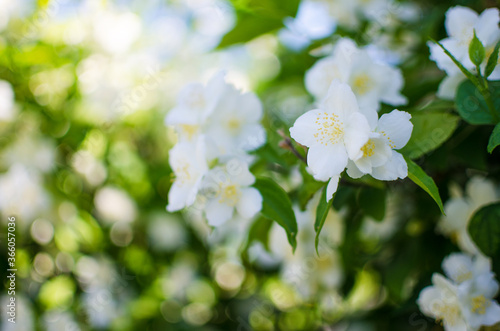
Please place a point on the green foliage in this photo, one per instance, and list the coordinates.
(472, 106)
(257, 17)
(372, 202)
(419, 177)
(476, 51)
(430, 130)
(492, 61)
(321, 214)
(276, 206)
(484, 228)
(494, 139)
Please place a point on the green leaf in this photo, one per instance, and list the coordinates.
(466, 72)
(476, 50)
(321, 214)
(484, 228)
(492, 61)
(471, 105)
(372, 202)
(419, 177)
(430, 130)
(494, 139)
(277, 206)
(257, 17)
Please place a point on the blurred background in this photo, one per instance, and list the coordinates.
(84, 89)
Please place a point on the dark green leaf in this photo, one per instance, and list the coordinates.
(257, 17)
(492, 61)
(476, 50)
(494, 139)
(471, 105)
(372, 202)
(430, 130)
(277, 206)
(484, 228)
(321, 214)
(419, 177)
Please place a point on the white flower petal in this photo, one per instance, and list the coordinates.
(250, 202)
(340, 100)
(460, 22)
(327, 161)
(481, 191)
(331, 188)
(448, 86)
(353, 171)
(395, 168)
(458, 267)
(396, 127)
(178, 197)
(218, 213)
(487, 26)
(357, 133)
(304, 128)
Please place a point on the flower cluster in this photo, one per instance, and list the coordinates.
(461, 23)
(217, 125)
(339, 135)
(371, 81)
(464, 300)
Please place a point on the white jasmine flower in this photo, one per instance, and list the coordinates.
(465, 303)
(6, 101)
(461, 267)
(441, 302)
(372, 82)
(195, 104)
(189, 164)
(459, 210)
(460, 23)
(227, 188)
(234, 126)
(475, 298)
(333, 132)
(377, 157)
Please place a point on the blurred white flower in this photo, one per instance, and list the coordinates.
(116, 31)
(441, 302)
(87, 165)
(7, 110)
(227, 188)
(377, 157)
(115, 205)
(334, 132)
(234, 127)
(459, 209)
(311, 275)
(22, 193)
(460, 267)
(195, 104)
(465, 302)
(32, 151)
(311, 22)
(188, 162)
(372, 82)
(460, 23)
